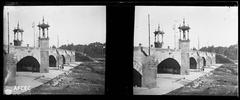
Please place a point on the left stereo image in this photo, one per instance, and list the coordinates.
(54, 50)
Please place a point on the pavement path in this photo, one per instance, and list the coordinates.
(29, 80)
(169, 82)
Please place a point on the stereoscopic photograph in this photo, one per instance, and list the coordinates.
(153, 49)
(185, 50)
(54, 50)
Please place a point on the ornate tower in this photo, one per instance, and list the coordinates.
(184, 46)
(157, 43)
(17, 41)
(43, 44)
(183, 40)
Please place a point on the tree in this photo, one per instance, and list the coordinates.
(231, 51)
(95, 49)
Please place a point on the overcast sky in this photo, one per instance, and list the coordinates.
(217, 26)
(73, 24)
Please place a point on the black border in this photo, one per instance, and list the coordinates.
(120, 27)
(120, 31)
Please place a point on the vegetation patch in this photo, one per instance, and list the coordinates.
(87, 78)
(223, 81)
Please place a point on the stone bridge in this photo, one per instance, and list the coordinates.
(25, 55)
(30, 59)
(41, 58)
(148, 62)
(146, 67)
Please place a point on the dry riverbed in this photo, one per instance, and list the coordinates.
(223, 81)
(87, 78)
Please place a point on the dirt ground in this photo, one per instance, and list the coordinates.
(86, 79)
(223, 81)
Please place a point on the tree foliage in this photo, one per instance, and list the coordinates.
(231, 51)
(95, 50)
(222, 59)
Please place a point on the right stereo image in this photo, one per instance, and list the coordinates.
(185, 50)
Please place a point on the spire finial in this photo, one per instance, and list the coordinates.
(43, 19)
(18, 25)
(158, 27)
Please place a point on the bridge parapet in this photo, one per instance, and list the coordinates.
(52, 51)
(138, 59)
(162, 55)
(61, 52)
(20, 52)
(69, 52)
(153, 50)
(14, 49)
(136, 48)
(202, 54)
(194, 53)
(139, 56)
(137, 66)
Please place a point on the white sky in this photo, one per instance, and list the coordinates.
(73, 24)
(217, 26)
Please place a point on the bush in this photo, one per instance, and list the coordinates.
(222, 59)
(80, 57)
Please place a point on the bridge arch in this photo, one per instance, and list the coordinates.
(63, 59)
(193, 63)
(29, 64)
(204, 61)
(137, 78)
(169, 65)
(52, 61)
